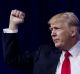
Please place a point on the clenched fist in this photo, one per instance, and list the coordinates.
(16, 17)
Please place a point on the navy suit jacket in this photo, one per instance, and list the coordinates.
(42, 61)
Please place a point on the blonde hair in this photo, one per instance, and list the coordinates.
(68, 17)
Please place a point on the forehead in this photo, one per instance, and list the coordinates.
(58, 22)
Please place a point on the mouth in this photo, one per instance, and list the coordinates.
(55, 40)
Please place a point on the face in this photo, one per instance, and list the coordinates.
(61, 34)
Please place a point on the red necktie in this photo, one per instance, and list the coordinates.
(66, 64)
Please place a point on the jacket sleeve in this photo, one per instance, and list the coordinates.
(11, 52)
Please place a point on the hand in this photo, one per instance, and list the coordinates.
(16, 17)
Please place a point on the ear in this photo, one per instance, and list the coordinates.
(74, 31)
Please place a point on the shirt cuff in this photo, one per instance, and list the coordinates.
(7, 30)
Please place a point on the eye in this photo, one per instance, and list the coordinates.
(57, 28)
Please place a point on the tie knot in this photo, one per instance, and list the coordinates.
(67, 54)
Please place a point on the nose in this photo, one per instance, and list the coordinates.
(53, 33)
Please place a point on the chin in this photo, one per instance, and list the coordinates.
(58, 45)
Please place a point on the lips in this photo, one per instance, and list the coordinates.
(55, 40)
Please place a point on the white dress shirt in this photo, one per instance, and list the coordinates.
(74, 60)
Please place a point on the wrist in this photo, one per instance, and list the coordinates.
(13, 26)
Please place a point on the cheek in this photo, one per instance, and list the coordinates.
(64, 37)
(61, 35)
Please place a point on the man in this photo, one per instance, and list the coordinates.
(65, 34)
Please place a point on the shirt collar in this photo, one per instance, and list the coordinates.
(75, 50)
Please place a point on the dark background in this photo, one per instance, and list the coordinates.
(34, 31)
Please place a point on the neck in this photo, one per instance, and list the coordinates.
(70, 44)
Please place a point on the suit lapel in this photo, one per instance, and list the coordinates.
(53, 62)
(47, 61)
